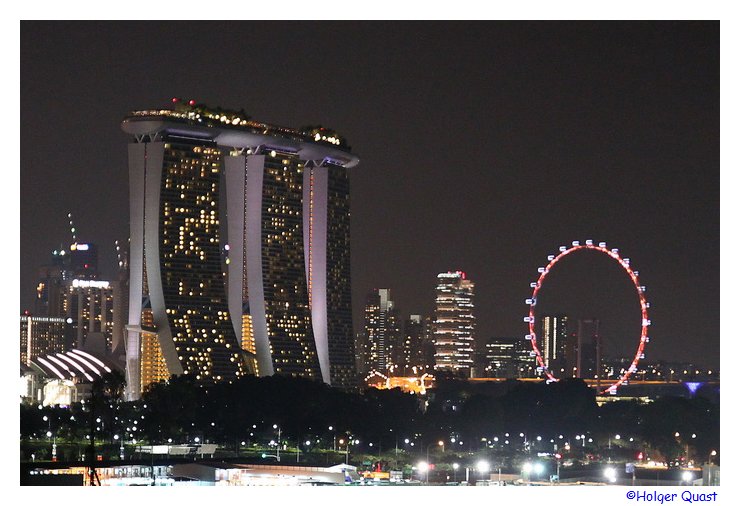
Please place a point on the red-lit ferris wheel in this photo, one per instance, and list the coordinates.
(633, 274)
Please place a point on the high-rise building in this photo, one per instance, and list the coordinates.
(554, 342)
(41, 335)
(88, 305)
(381, 331)
(454, 324)
(77, 261)
(428, 343)
(239, 247)
(413, 346)
(70, 289)
(507, 357)
(588, 348)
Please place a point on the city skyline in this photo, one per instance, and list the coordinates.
(485, 165)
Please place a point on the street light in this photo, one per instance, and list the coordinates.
(276, 426)
(610, 474)
(423, 467)
(527, 470)
(455, 467)
(334, 438)
(483, 467)
(538, 468)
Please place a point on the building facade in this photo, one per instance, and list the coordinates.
(382, 346)
(41, 335)
(507, 357)
(554, 342)
(454, 324)
(413, 346)
(587, 357)
(239, 248)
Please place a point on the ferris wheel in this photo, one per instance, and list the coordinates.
(633, 274)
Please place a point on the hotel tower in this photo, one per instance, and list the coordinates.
(454, 324)
(240, 259)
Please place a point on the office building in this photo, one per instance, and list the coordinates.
(413, 362)
(76, 261)
(454, 324)
(382, 344)
(588, 349)
(554, 337)
(88, 306)
(507, 357)
(41, 335)
(239, 247)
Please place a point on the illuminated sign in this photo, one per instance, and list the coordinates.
(79, 247)
(84, 283)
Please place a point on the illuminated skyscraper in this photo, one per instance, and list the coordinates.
(413, 346)
(381, 331)
(507, 357)
(41, 335)
(554, 341)
(239, 248)
(454, 324)
(77, 261)
(88, 306)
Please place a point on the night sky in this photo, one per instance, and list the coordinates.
(483, 145)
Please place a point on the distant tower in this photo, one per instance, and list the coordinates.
(554, 341)
(413, 345)
(70, 288)
(41, 335)
(454, 324)
(427, 332)
(89, 307)
(381, 331)
(507, 357)
(588, 348)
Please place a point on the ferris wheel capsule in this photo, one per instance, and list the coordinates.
(551, 257)
(563, 248)
(602, 245)
(576, 243)
(589, 242)
(540, 270)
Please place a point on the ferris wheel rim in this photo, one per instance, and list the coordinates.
(633, 274)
